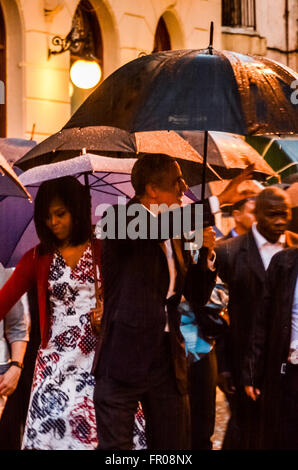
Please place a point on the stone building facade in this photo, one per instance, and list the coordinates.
(36, 87)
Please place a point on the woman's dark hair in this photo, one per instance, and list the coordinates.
(76, 198)
(150, 168)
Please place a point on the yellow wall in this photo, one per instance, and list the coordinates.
(38, 87)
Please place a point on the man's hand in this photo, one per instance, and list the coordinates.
(252, 392)
(209, 240)
(9, 380)
(225, 383)
(230, 195)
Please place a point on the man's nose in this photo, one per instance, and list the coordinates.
(280, 221)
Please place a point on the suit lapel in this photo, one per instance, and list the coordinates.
(254, 258)
(289, 282)
(180, 263)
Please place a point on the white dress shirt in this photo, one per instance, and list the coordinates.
(168, 251)
(266, 248)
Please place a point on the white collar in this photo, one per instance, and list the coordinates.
(261, 241)
(152, 213)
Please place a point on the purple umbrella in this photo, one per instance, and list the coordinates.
(13, 148)
(10, 185)
(109, 183)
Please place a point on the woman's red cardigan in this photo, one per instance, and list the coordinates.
(32, 269)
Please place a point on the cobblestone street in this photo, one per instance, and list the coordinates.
(222, 417)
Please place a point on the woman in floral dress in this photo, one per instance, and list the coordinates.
(61, 413)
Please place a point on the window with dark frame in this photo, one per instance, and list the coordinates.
(2, 74)
(239, 13)
(86, 20)
(162, 40)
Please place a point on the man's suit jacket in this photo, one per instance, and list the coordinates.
(135, 282)
(241, 267)
(270, 341)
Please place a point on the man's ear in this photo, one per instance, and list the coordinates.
(151, 190)
(236, 214)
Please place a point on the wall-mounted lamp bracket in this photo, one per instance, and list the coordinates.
(72, 42)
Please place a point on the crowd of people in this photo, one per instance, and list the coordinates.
(148, 379)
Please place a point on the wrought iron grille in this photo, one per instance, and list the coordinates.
(239, 13)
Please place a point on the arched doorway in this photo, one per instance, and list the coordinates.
(2, 75)
(162, 41)
(85, 21)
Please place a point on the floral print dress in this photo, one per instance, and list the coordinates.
(61, 413)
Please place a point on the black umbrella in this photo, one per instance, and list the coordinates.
(228, 154)
(114, 142)
(195, 90)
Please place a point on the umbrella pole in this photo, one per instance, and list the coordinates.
(86, 181)
(210, 48)
(204, 164)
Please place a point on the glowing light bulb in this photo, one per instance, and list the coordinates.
(85, 74)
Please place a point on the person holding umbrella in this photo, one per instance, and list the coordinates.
(61, 412)
(141, 354)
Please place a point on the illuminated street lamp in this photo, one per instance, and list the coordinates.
(85, 73)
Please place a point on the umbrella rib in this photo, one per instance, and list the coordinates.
(17, 183)
(95, 185)
(110, 194)
(108, 174)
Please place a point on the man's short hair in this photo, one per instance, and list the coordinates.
(271, 194)
(150, 168)
(240, 204)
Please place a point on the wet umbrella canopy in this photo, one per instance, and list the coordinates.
(228, 154)
(194, 90)
(114, 142)
(13, 148)
(10, 185)
(280, 152)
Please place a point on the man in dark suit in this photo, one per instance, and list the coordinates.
(244, 216)
(242, 264)
(272, 362)
(141, 355)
